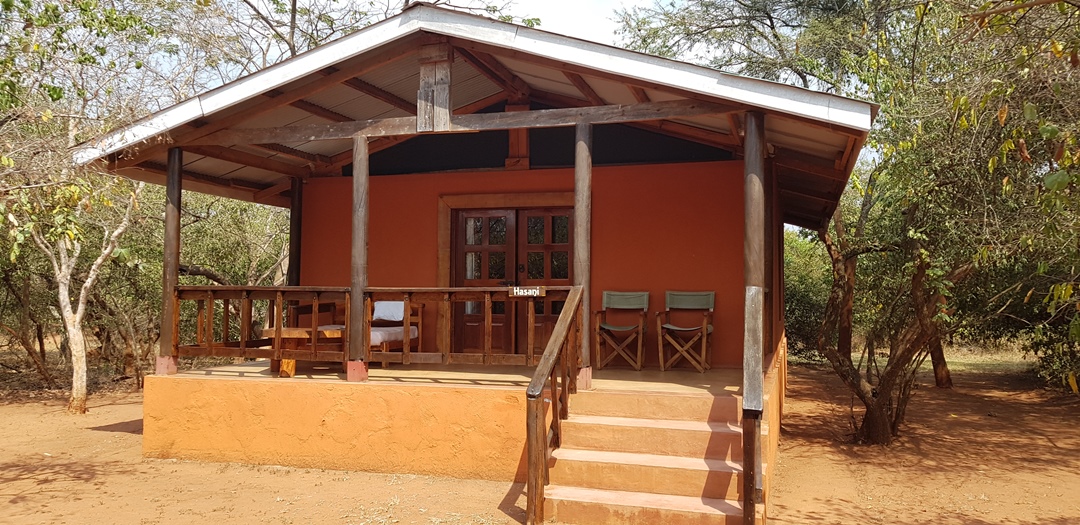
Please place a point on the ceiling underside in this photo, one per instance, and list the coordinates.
(811, 160)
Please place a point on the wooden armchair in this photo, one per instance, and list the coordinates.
(687, 342)
(619, 337)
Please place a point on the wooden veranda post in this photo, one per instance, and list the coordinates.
(359, 332)
(167, 358)
(753, 331)
(296, 212)
(583, 238)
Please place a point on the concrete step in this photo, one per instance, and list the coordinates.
(723, 407)
(695, 439)
(583, 506)
(651, 473)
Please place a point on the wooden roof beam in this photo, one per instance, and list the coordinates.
(488, 66)
(582, 86)
(262, 196)
(665, 127)
(313, 158)
(544, 118)
(247, 159)
(379, 144)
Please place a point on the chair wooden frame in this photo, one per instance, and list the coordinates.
(619, 338)
(380, 353)
(690, 343)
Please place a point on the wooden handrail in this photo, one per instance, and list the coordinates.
(563, 349)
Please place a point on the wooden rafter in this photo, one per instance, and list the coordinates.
(313, 158)
(276, 189)
(260, 106)
(590, 94)
(736, 127)
(312, 108)
(800, 161)
(247, 159)
(479, 47)
(379, 93)
(491, 68)
(545, 118)
(639, 93)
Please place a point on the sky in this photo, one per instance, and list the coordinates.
(586, 19)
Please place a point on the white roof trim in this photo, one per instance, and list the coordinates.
(770, 96)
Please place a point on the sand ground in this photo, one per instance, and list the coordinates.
(995, 449)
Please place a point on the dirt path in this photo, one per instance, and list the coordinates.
(55, 468)
(994, 450)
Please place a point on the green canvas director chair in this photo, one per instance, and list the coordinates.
(619, 337)
(687, 342)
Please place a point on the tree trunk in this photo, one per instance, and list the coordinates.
(942, 377)
(77, 344)
(876, 427)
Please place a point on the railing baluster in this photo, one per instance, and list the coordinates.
(348, 330)
(530, 330)
(487, 328)
(406, 339)
(279, 305)
(199, 326)
(225, 321)
(176, 324)
(245, 321)
(210, 322)
(314, 326)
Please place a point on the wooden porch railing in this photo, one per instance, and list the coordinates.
(557, 370)
(213, 336)
(220, 332)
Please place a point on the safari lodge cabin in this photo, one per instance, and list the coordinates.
(514, 255)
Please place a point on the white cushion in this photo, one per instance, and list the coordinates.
(389, 311)
(381, 334)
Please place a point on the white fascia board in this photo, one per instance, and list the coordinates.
(771, 96)
(250, 86)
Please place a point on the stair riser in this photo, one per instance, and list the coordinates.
(588, 513)
(639, 478)
(657, 406)
(646, 440)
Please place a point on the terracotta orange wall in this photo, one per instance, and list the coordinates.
(655, 228)
(472, 432)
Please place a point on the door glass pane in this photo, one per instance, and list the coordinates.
(536, 230)
(560, 265)
(474, 230)
(538, 307)
(497, 231)
(496, 265)
(556, 307)
(472, 307)
(536, 265)
(560, 230)
(498, 307)
(472, 265)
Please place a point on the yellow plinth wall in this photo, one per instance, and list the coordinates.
(472, 432)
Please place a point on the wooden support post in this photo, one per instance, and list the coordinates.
(517, 157)
(360, 335)
(296, 212)
(583, 234)
(433, 98)
(167, 358)
(753, 309)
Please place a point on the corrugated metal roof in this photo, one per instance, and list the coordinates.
(823, 127)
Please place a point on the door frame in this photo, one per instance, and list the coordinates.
(448, 204)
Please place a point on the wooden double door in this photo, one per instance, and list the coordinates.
(510, 247)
